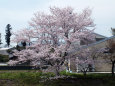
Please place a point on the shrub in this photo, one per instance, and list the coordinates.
(4, 58)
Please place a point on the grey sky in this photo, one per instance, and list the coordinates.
(19, 12)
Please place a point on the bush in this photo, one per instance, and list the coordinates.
(90, 75)
(4, 58)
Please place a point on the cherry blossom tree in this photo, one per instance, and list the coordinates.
(84, 60)
(56, 34)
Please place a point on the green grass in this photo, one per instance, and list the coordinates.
(36, 78)
(26, 77)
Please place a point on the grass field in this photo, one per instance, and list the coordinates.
(37, 78)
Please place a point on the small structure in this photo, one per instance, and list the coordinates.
(3, 51)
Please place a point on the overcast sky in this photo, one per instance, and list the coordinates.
(19, 12)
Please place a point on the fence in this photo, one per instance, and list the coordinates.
(18, 67)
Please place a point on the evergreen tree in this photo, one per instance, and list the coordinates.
(8, 34)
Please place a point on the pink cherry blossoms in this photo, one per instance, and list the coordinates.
(23, 35)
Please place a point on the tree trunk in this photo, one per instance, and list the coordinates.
(84, 73)
(57, 71)
(113, 68)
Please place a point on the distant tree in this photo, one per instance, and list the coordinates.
(109, 54)
(8, 34)
(113, 31)
(0, 39)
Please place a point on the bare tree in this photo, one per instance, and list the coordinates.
(109, 54)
